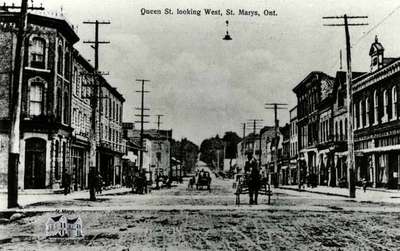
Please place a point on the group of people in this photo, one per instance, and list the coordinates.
(137, 182)
(96, 181)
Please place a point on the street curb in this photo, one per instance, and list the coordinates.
(317, 192)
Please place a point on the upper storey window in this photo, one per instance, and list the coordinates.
(38, 50)
(60, 60)
(36, 99)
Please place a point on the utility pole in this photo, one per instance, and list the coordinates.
(276, 107)
(16, 97)
(159, 121)
(350, 136)
(256, 126)
(95, 96)
(142, 121)
(244, 129)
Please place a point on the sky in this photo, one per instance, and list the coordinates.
(205, 85)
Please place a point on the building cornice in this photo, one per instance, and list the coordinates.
(376, 76)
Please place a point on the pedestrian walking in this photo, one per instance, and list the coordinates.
(364, 184)
(99, 183)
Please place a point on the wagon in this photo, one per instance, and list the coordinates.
(203, 180)
(242, 187)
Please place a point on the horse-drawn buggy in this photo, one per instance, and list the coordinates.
(245, 183)
(203, 179)
(200, 180)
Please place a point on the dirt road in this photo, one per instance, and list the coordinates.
(187, 219)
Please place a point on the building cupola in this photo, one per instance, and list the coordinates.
(376, 54)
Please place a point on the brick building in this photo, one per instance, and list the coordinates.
(376, 120)
(55, 114)
(311, 92)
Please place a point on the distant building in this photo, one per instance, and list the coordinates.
(294, 147)
(156, 149)
(284, 156)
(248, 145)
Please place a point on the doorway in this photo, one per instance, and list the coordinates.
(35, 164)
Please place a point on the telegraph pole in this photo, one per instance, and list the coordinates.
(95, 96)
(244, 129)
(276, 107)
(159, 121)
(350, 133)
(256, 126)
(13, 151)
(142, 121)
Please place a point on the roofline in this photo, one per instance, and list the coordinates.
(45, 21)
(367, 74)
(306, 78)
(79, 57)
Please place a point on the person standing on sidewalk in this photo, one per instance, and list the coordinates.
(67, 183)
(92, 183)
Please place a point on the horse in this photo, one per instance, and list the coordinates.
(191, 183)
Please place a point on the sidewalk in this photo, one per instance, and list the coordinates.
(371, 195)
(29, 197)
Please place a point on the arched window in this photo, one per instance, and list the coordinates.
(36, 99)
(341, 130)
(60, 60)
(74, 117)
(80, 123)
(376, 114)
(74, 79)
(385, 106)
(394, 103)
(110, 109)
(66, 108)
(84, 87)
(59, 105)
(85, 125)
(336, 131)
(67, 64)
(367, 112)
(360, 114)
(38, 50)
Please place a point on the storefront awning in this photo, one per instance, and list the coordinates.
(380, 149)
(340, 154)
(130, 156)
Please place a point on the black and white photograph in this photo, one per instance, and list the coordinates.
(200, 125)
